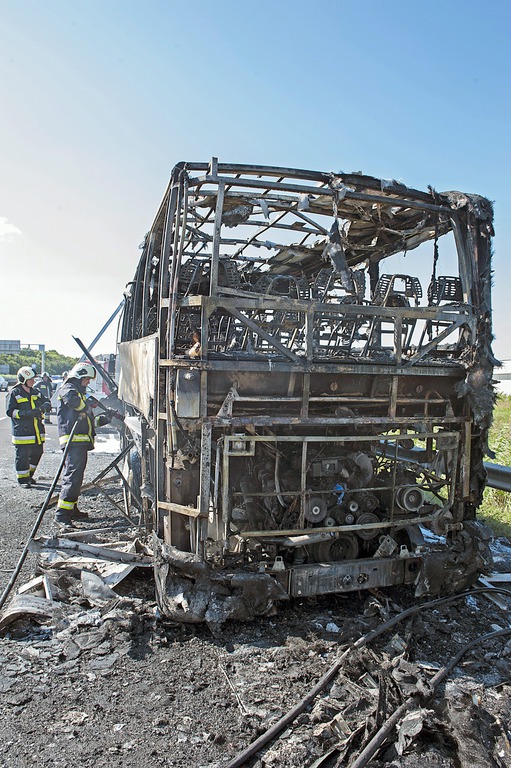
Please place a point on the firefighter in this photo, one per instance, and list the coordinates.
(45, 387)
(37, 378)
(25, 407)
(72, 407)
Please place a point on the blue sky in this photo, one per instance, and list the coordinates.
(100, 98)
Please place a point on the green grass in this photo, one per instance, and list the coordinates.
(496, 507)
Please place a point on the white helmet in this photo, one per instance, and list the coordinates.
(81, 371)
(25, 373)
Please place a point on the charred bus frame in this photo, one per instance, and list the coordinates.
(307, 422)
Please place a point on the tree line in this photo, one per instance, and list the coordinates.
(55, 363)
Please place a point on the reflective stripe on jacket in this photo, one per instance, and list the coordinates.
(72, 407)
(25, 430)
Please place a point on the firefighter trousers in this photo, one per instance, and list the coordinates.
(72, 476)
(26, 460)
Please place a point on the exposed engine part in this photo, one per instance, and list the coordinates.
(329, 468)
(307, 539)
(343, 547)
(367, 501)
(410, 499)
(386, 547)
(315, 509)
(366, 518)
(340, 490)
(363, 473)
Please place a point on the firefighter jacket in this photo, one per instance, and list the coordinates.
(72, 407)
(44, 386)
(27, 428)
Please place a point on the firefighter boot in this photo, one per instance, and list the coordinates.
(63, 517)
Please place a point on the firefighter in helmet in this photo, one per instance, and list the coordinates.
(72, 407)
(45, 387)
(26, 407)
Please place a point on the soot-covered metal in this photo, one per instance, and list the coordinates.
(306, 358)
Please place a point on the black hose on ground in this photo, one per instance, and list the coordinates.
(38, 521)
(288, 718)
(414, 701)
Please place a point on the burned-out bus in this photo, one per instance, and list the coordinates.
(306, 362)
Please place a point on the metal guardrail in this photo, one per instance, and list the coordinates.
(498, 476)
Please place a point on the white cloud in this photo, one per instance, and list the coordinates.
(8, 230)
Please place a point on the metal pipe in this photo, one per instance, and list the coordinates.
(104, 375)
(106, 325)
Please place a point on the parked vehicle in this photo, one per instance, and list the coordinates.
(56, 382)
(309, 410)
(4, 384)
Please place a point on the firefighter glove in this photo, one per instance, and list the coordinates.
(31, 413)
(113, 414)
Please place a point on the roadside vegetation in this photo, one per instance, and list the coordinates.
(54, 364)
(496, 506)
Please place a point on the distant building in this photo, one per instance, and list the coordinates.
(502, 376)
(10, 345)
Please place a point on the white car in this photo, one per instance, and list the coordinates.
(4, 384)
(56, 383)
